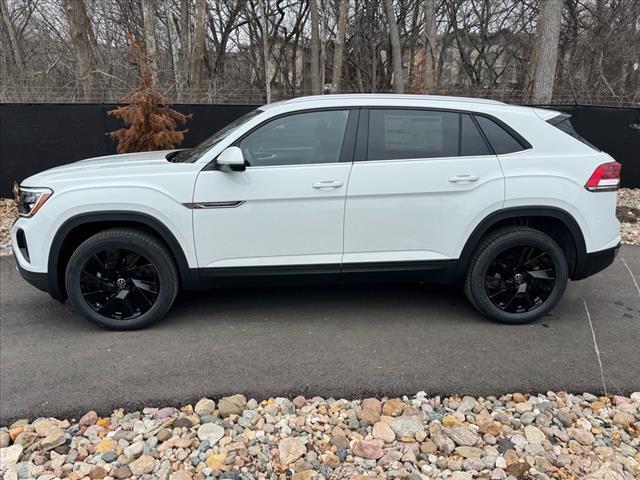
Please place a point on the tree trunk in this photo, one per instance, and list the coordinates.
(338, 54)
(184, 40)
(546, 50)
(11, 33)
(199, 47)
(149, 16)
(80, 31)
(265, 50)
(430, 60)
(316, 88)
(396, 51)
(175, 62)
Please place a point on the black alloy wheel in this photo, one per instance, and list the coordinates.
(122, 279)
(520, 279)
(119, 284)
(516, 275)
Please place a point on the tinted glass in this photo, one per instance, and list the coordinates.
(402, 134)
(471, 142)
(301, 138)
(566, 126)
(501, 140)
(192, 154)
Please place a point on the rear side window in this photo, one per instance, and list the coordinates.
(471, 142)
(563, 122)
(501, 140)
(402, 134)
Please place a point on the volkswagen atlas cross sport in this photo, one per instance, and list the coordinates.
(508, 201)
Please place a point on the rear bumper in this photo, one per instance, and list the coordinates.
(595, 262)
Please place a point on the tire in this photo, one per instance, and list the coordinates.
(521, 294)
(122, 279)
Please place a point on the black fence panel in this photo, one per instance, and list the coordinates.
(34, 137)
(613, 130)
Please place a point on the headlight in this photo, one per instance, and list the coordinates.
(30, 200)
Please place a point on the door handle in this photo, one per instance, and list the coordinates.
(463, 178)
(327, 184)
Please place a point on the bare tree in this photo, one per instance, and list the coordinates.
(265, 49)
(396, 50)
(546, 50)
(11, 33)
(231, 50)
(149, 34)
(430, 39)
(199, 46)
(316, 87)
(338, 53)
(172, 36)
(81, 36)
(185, 46)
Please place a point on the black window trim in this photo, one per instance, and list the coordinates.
(346, 150)
(361, 148)
(561, 117)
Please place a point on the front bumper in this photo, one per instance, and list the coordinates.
(37, 279)
(595, 262)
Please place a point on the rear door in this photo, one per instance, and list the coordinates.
(422, 179)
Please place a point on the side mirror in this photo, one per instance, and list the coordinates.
(231, 160)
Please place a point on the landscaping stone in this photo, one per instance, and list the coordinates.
(512, 437)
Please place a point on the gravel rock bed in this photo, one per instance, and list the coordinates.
(516, 436)
(628, 212)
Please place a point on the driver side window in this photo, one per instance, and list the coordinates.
(297, 139)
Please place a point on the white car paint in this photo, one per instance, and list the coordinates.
(376, 211)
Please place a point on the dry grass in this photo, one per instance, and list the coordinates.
(8, 215)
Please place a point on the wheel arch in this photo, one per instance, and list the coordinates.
(78, 228)
(558, 223)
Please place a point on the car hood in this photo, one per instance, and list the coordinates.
(120, 165)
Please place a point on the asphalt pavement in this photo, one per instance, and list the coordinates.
(329, 341)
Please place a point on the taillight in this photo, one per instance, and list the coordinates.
(605, 178)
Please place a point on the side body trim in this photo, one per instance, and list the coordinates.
(201, 205)
(435, 271)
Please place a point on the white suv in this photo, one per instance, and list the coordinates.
(507, 200)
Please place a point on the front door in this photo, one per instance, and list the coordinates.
(421, 181)
(284, 214)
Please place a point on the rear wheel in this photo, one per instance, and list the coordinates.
(122, 279)
(516, 275)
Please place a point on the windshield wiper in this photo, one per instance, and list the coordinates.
(173, 156)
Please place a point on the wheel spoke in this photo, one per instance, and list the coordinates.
(98, 280)
(144, 285)
(109, 308)
(542, 274)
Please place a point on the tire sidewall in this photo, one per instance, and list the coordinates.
(500, 245)
(166, 273)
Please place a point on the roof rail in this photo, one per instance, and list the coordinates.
(361, 96)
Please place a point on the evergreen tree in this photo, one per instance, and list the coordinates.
(150, 123)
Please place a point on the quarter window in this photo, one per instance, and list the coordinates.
(298, 139)
(404, 134)
(471, 141)
(501, 141)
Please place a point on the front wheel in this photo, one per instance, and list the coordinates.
(122, 279)
(516, 275)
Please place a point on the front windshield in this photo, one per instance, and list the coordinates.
(192, 154)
